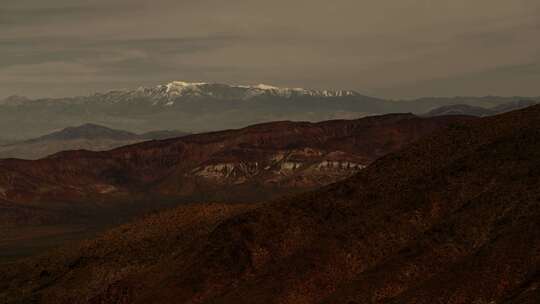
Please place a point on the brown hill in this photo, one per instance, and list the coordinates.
(452, 218)
(257, 162)
(88, 137)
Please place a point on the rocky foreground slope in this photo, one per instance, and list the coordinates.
(452, 218)
(245, 165)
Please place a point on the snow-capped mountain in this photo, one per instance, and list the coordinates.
(200, 106)
(14, 100)
(167, 94)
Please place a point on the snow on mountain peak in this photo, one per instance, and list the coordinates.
(263, 86)
(179, 87)
(183, 84)
(168, 94)
(15, 100)
(266, 87)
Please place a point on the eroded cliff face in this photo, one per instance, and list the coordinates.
(282, 167)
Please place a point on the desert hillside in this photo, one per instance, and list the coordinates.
(452, 218)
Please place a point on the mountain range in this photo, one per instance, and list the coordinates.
(4, 141)
(74, 194)
(200, 107)
(244, 165)
(449, 218)
(464, 109)
(85, 137)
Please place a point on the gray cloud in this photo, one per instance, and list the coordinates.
(39, 15)
(72, 46)
(26, 51)
(29, 12)
(511, 80)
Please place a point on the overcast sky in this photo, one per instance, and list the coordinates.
(389, 48)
